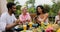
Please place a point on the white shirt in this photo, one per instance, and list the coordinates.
(6, 19)
(2, 25)
(0, 18)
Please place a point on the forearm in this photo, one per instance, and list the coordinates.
(46, 16)
(10, 26)
(56, 21)
(38, 21)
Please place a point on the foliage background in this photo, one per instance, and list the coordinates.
(52, 10)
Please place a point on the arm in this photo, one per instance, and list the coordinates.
(2, 26)
(37, 20)
(3, 22)
(29, 18)
(56, 20)
(21, 20)
(45, 17)
(9, 26)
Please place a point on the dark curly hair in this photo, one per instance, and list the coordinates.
(9, 5)
(41, 8)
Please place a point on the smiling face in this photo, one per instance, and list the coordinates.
(24, 10)
(40, 10)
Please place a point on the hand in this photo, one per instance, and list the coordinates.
(17, 21)
(28, 20)
(20, 23)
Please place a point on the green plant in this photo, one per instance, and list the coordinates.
(31, 10)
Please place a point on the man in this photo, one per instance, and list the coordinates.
(8, 19)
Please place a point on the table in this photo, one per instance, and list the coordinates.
(38, 28)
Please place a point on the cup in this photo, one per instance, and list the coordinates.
(30, 24)
(25, 27)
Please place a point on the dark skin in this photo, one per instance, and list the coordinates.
(11, 11)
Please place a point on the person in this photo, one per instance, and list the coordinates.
(0, 25)
(0, 18)
(42, 16)
(57, 18)
(8, 18)
(25, 16)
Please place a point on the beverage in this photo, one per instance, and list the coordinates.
(42, 22)
(24, 27)
(58, 30)
(30, 24)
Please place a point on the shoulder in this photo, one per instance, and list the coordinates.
(20, 15)
(13, 15)
(4, 14)
(46, 14)
(28, 13)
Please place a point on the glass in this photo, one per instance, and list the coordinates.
(24, 27)
(30, 24)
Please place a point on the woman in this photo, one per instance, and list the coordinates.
(25, 16)
(57, 18)
(42, 16)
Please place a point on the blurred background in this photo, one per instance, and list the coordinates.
(51, 7)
